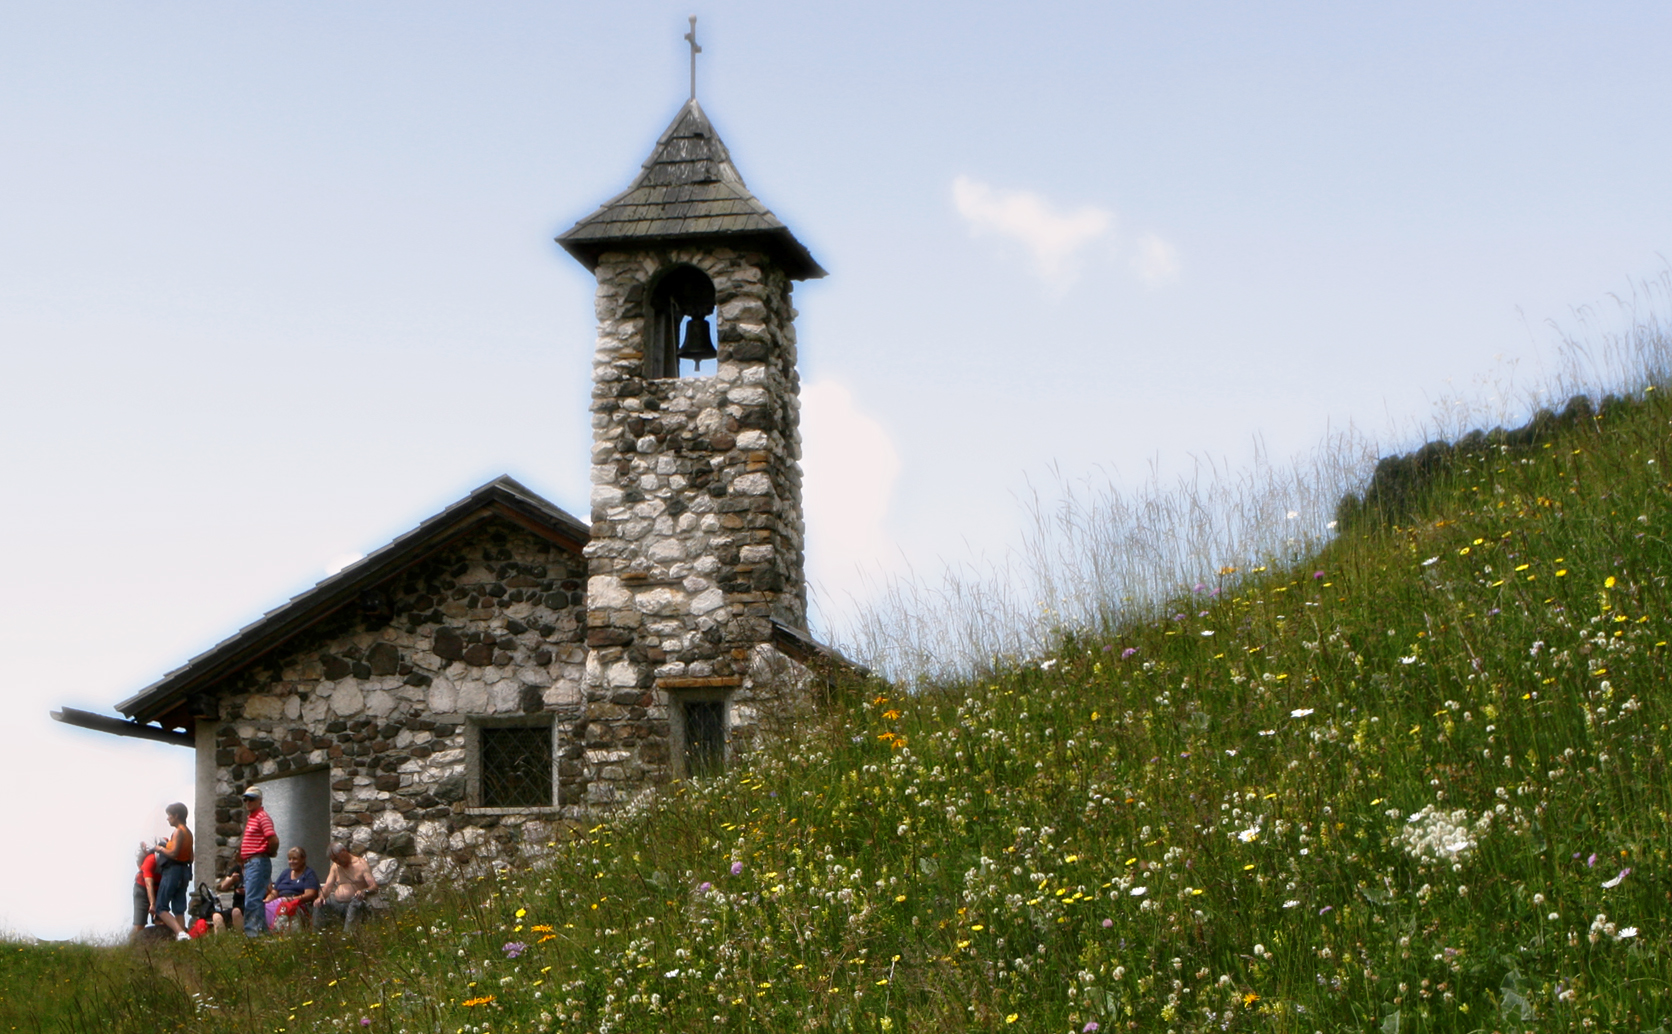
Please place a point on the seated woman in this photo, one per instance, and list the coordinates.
(230, 917)
(292, 895)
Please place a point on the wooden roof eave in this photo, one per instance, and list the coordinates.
(788, 252)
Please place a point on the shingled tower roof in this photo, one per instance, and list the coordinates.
(689, 189)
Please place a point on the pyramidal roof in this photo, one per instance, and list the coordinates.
(688, 188)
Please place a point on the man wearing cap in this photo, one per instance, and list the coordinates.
(255, 853)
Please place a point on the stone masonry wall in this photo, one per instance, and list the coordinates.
(491, 625)
(697, 532)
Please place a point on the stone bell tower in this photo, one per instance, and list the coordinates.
(696, 550)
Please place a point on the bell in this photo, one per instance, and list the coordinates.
(699, 343)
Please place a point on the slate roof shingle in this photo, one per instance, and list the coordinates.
(688, 188)
(502, 497)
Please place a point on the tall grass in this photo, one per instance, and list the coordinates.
(1094, 554)
(1418, 783)
(1415, 780)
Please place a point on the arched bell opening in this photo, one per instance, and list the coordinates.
(680, 335)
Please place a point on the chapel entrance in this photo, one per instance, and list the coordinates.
(301, 808)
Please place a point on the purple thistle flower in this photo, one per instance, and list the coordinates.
(514, 948)
(1129, 651)
(737, 868)
(1199, 587)
(1591, 862)
(1108, 923)
(705, 887)
(1090, 1026)
(1326, 908)
(1317, 575)
(365, 1021)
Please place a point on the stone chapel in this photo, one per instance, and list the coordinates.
(504, 667)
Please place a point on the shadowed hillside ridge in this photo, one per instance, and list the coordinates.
(1399, 483)
(1415, 780)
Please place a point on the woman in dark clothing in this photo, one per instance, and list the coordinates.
(293, 893)
(231, 918)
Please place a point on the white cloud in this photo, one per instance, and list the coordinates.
(1157, 262)
(1053, 238)
(850, 467)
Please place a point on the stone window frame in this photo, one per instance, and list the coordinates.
(677, 699)
(660, 341)
(473, 726)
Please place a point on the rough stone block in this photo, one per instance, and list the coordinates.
(263, 708)
(347, 699)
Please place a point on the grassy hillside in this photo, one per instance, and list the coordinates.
(1419, 784)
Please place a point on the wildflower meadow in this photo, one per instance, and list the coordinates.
(1415, 780)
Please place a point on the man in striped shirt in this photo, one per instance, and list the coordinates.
(255, 853)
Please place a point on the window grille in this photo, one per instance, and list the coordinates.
(517, 767)
(705, 737)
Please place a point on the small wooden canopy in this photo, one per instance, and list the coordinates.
(688, 190)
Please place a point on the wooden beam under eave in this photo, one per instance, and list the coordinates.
(118, 727)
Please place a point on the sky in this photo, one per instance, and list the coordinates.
(277, 281)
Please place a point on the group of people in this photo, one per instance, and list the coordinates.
(162, 887)
(165, 876)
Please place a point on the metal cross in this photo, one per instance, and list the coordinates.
(691, 38)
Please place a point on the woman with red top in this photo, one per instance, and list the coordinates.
(145, 887)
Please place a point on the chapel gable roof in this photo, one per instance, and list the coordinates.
(502, 498)
(688, 189)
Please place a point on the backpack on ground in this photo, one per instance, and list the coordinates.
(203, 903)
